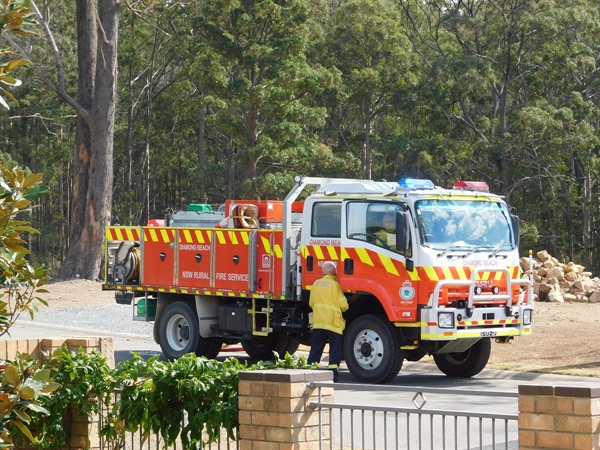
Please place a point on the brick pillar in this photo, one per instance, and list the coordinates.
(83, 429)
(274, 412)
(559, 417)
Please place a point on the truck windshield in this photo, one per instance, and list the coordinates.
(470, 224)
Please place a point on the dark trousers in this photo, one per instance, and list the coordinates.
(318, 339)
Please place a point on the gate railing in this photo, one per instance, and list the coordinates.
(416, 427)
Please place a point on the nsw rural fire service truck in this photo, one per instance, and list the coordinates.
(441, 279)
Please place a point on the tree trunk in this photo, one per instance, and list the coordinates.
(92, 188)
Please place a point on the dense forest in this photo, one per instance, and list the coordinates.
(218, 99)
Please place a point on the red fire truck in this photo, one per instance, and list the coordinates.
(446, 282)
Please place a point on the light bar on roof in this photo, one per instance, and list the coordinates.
(472, 186)
(415, 183)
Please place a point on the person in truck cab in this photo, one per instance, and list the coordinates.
(328, 302)
(386, 237)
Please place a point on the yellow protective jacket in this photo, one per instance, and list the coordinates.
(328, 302)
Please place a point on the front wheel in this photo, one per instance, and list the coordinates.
(465, 364)
(372, 349)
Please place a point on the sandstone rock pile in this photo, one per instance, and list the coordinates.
(558, 282)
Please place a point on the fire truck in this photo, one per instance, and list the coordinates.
(443, 279)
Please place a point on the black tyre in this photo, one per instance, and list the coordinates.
(209, 347)
(179, 332)
(291, 346)
(262, 347)
(465, 364)
(372, 350)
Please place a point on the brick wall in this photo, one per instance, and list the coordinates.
(559, 417)
(83, 429)
(37, 347)
(274, 412)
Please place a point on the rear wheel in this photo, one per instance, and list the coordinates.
(179, 333)
(372, 349)
(465, 364)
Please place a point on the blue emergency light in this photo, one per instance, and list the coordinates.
(415, 183)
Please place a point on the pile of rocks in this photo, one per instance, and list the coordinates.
(558, 282)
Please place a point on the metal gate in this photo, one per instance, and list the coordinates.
(412, 425)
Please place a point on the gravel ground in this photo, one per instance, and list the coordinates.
(114, 318)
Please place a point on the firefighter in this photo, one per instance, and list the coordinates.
(328, 303)
(387, 235)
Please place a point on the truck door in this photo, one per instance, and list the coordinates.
(375, 258)
(324, 240)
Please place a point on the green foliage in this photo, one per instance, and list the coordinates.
(24, 388)
(155, 396)
(24, 384)
(15, 17)
(86, 383)
(21, 280)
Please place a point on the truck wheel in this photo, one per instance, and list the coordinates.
(372, 350)
(209, 347)
(262, 347)
(465, 364)
(179, 332)
(291, 346)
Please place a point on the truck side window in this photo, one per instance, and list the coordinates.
(373, 222)
(327, 220)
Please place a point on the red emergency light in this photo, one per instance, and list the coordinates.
(472, 186)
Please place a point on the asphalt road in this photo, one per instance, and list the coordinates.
(417, 376)
(412, 374)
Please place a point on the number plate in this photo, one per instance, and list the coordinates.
(488, 333)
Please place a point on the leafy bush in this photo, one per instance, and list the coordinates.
(24, 386)
(86, 383)
(155, 397)
(24, 383)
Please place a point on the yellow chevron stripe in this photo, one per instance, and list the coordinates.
(498, 276)
(447, 273)
(431, 273)
(332, 253)
(220, 237)
(187, 236)
(414, 275)
(364, 256)
(278, 251)
(462, 275)
(267, 245)
(246, 238)
(344, 254)
(165, 236)
(153, 235)
(485, 275)
(129, 233)
(388, 264)
(318, 252)
(233, 237)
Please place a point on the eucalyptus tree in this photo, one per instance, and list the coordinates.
(366, 44)
(561, 133)
(94, 103)
(515, 90)
(260, 85)
(478, 54)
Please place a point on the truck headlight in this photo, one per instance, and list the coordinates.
(446, 320)
(526, 317)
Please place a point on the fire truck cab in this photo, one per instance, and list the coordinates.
(426, 270)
